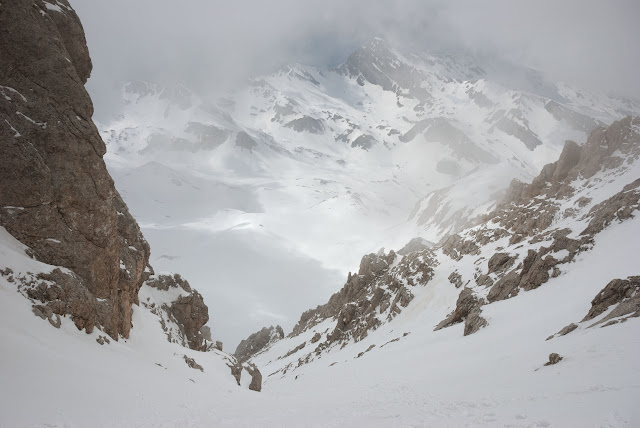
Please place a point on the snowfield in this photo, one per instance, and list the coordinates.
(496, 377)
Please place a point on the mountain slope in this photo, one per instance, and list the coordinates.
(553, 253)
(387, 145)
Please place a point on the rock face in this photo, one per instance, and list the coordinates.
(528, 211)
(553, 359)
(257, 342)
(376, 294)
(56, 195)
(256, 377)
(468, 309)
(181, 309)
(306, 124)
(57, 198)
(622, 294)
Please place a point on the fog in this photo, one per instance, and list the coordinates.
(262, 265)
(212, 45)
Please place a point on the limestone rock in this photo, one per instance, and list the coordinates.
(624, 293)
(244, 141)
(51, 167)
(257, 342)
(192, 363)
(500, 262)
(553, 359)
(468, 309)
(568, 329)
(306, 124)
(416, 244)
(256, 377)
(456, 279)
(182, 318)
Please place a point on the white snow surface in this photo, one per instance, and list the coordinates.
(494, 377)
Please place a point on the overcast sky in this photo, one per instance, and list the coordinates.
(211, 44)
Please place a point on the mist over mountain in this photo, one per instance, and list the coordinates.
(319, 214)
(323, 164)
(212, 45)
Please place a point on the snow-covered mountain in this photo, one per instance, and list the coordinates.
(320, 166)
(469, 332)
(515, 306)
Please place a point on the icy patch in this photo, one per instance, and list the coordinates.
(42, 125)
(6, 97)
(53, 7)
(17, 134)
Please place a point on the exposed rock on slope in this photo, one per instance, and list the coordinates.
(257, 342)
(618, 301)
(370, 298)
(468, 309)
(529, 212)
(56, 195)
(531, 237)
(181, 309)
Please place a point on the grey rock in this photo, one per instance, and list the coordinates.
(256, 377)
(315, 338)
(244, 141)
(456, 279)
(416, 244)
(52, 167)
(553, 359)
(468, 309)
(257, 342)
(192, 363)
(364, 141)
(306, 124)
(624, 293)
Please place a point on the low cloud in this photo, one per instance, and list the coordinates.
(212, 45)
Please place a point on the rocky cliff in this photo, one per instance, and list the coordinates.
(257, 342)
(56, 195)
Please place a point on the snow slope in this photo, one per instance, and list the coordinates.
(442, 379)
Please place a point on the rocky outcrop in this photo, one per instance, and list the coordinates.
(306, 124)
(619, 207)
(376, 294)
(554, 358)
(564, 331)
(56, 195)
(244, 141)
(181, 309)
(364, 141)
(256, 377)
(416, 244)
(239, 369)
(624, 293)
(258, 341)
(468, 309)
(192, 363)
(528, 211)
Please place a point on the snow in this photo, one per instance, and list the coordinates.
(42, 125)
(495, 377)
(3, 88)
(17, 134)
(51, 6)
